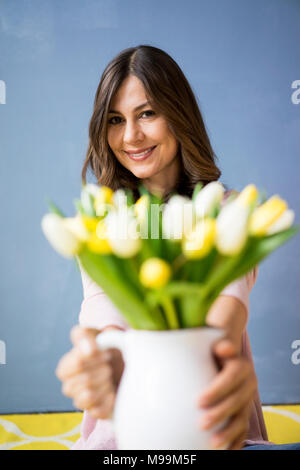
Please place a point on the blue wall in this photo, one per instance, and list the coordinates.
(241, 58)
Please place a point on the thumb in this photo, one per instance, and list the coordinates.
(225, 349)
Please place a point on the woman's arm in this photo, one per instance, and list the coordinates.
(230, 314)
(231, 393)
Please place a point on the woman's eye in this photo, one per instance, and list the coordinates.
(111, 120)
(148, 111)
(117, 117)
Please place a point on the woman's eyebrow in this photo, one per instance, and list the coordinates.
(135, 109)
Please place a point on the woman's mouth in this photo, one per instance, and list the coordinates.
(142, 155)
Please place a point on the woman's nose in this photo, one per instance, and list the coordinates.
(132, 133)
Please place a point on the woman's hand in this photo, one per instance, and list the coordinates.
(90, 376)
(229, 396)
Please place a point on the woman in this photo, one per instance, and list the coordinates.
(146, 127)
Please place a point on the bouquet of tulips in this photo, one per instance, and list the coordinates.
(164, 264)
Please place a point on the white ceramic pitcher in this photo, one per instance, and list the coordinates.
(165, 372)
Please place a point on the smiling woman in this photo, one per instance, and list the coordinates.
(144, 102)
(147, 128)
(143, 142)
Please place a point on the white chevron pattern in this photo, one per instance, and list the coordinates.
(27, 439)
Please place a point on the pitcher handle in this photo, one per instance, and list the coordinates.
(111, 339)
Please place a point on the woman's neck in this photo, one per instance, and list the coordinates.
(165, 181)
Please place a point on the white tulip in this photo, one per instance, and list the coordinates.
(77, 227)
(91, 188)
(282, 223)
(208, 197)
(119, 198)
(178, 217)
(232, 228)
(59, 236)
(87, 191)
(122, 232)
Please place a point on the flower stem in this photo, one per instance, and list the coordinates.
(170, 312)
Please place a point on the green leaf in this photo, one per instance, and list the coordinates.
(104, 271)
(143, 190)
(87, 203)
(200, 268)
(191, 313)
(259, 248)
(129, 196)
(53, 208)
(197, 189)
(232, 268)
(170, 312)
(78, 206)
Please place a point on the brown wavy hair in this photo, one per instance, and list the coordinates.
(168, 90)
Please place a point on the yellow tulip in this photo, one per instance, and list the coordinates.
(90, 222)
(248, 196)
(265, 215)
(141, 207)
(103, 198)
(154, 273)
(282, 223)
(98, 242)
(199, 242)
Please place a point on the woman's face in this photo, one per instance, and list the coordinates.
(133, 131)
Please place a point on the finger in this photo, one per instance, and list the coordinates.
(87, 380)
(74, 363)
(105, 411)
(93, 398)
(96, 400)
(232, 404)
(229, 378)
(225, 348)
(237, 425)
(239, 442)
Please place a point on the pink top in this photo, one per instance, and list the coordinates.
(98, 311)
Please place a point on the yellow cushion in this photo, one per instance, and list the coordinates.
(54, 431)
(283, 423)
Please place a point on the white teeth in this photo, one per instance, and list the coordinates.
(140, 154)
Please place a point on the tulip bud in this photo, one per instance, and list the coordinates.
(154, 273)
(119, 199)
(98, 241)
(199, 241)
(59, 236)
(232, 229)
(122, 232)
(178, 217)
(88, 193)
(77, 227)
(90, 222)
(208, 198)
(103, 199)
(141, 207)
(248, 196)
(282, 223)
(265, 215)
